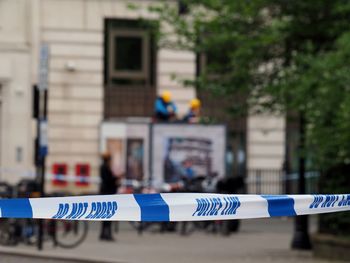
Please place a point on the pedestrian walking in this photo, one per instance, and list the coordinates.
(109, 185)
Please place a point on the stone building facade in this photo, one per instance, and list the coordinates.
(75, 31)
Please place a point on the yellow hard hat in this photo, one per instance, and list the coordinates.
(166, 96)
(195, 103)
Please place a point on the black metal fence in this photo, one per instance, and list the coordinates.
(276, 181)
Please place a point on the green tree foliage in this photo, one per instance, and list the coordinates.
(283, 55)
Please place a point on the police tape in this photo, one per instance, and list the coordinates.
(171, 206)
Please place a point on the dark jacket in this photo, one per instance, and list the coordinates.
(188, 117)
(108, 181)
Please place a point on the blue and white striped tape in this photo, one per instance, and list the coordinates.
(172, 206)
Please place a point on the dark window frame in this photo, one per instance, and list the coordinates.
(124, 74)
(130, 95)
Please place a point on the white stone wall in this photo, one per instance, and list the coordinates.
(74, 31)
(16, 133)
(14, 29)
(75, 97)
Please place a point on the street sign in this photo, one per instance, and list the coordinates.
(43, 138)
(42, 127)
(44, 67)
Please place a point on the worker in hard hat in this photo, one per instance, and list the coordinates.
(193, 114)
(165, 109)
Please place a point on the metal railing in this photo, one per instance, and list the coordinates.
(276, 181)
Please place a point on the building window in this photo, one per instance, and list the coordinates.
(129, 54)
(129, 68)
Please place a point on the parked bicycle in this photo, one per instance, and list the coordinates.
(212, 184)
(62, 233)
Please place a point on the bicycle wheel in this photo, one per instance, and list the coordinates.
(7, 233)
(69, 234)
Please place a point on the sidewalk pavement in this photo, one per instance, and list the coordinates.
(263, 241)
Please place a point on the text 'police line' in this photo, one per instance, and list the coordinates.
(217, 206)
